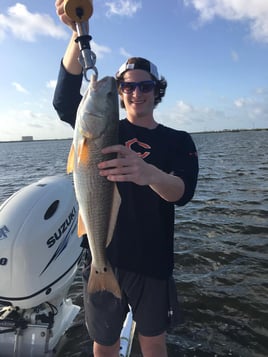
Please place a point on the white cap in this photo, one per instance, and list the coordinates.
(138, 63)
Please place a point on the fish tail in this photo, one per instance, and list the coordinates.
(106, 280)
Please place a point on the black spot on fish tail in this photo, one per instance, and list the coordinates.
(103, 281)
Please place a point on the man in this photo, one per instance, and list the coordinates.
(155, 168)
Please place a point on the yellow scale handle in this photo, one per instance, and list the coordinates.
(78, 10)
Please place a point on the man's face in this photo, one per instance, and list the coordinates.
(139, 105)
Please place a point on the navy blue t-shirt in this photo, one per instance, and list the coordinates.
(143, 237)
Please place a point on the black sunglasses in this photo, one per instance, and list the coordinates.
(144, 86)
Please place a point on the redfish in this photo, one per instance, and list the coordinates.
(98, 199)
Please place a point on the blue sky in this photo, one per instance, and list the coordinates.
(214, 55)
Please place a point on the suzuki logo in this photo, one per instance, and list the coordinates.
(3, 232)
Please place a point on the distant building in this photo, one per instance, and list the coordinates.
(27, 138)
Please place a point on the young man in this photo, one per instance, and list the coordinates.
(156, 168)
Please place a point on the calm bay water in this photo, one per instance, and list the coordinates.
(221, 244)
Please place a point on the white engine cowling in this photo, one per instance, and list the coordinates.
(39, 248)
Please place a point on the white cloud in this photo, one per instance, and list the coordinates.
(240, 102)
(28, 26)
(99, 50)
(253, 11)
(123, 7)
(254, 106)
(51, 84)
(184, 107)
(244, 112)
(19, 88)
(235, 56)
(124, 53)
(28, 122)
(262, 91)
(186, 116)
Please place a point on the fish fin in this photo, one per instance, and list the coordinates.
(83, 152)
(81, 229)
(114, 213)
(103, 281)
(70, 162)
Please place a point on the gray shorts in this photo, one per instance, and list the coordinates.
(153, 302)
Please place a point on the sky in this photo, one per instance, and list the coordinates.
(213, 54)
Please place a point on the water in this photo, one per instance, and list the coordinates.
(220, 244)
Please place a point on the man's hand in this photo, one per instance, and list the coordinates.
(129, 167)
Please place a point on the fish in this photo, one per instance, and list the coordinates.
(96, 127)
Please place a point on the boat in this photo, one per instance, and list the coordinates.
(40, 255)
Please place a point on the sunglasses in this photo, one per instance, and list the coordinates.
(144, 86)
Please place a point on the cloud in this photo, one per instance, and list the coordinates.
(19, 88)
(38, 124)
(123, 7)
(124, 53)
(99, 50)
(27, 26)
(262, 91)
(188, 117)
(235, 56)
(242, 112)
(240, 102)
(184, 107)
(255, 12)
(254, 106)
(51, 84)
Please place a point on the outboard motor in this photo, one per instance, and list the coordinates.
(39, 257)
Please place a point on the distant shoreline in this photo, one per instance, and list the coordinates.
(228, 131)
(34, 140)
(195, 132)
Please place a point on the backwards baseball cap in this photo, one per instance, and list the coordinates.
(138, 63)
